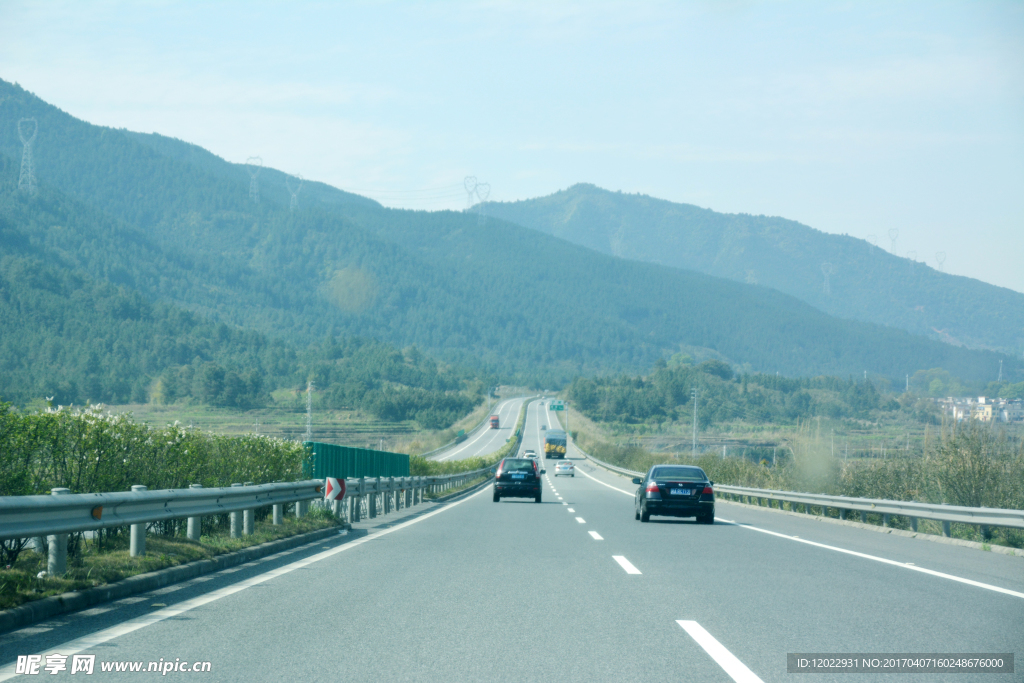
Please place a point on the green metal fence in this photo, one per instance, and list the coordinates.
(332, 460)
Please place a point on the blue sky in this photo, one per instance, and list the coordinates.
(851, 117)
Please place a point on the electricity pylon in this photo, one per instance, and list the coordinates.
(470, 184)
(294, 193)
(254, 165)
(27, 179)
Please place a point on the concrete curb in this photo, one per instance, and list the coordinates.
(934, 538)
(38, 610)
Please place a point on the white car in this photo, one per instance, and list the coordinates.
(528, 453)
(565, 467)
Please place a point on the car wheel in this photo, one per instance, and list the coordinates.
(537, 499)
(645, 516)
(708, 519)
(573, 475)
(497, 498)
(636, 512)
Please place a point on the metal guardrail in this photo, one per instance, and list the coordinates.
(52, 518)
(65, 512)
(947, 514)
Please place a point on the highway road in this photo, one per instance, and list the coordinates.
(572, 589)
(486, 440)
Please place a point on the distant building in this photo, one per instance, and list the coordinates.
(1012, 411)
(982, 409)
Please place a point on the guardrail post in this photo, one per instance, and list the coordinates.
(807, 509)
(885, 520)
(913, 523)
(137, 543)
(824, 511)
(946, 530)
(842, 513)
(57, 557)
(278, 514)
(236, 521)
(249, 518)
(986, 533)
(195, 524)
(372, 511)
(863, 517)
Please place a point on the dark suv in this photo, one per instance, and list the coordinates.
(517, 478)
(675, 491)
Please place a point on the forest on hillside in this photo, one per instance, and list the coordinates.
(724, 396)
(129, 235)
(864, 281)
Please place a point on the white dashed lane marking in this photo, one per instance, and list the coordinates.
(736, 669)
(596, 536)
(626, 564)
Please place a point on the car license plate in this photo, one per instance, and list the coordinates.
(680, 492)
(519, 476)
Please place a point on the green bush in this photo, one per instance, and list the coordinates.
(90, 451)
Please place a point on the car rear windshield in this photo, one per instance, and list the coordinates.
(517, 465)
(680, 473)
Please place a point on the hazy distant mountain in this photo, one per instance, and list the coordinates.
(865, 282)
(176, 224)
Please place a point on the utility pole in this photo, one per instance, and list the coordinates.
(907, 390)
(309, 410)
(693, 395)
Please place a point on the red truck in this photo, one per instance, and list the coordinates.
(494, 421)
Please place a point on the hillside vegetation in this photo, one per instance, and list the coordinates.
(142, 265)
(866, 282)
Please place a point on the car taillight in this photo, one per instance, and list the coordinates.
(535, 467)
(652, 487)
(708, 491)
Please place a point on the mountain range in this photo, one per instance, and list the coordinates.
(841, 275)
(157, 220)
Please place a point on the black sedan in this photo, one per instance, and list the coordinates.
(675, 491)
(517, 478)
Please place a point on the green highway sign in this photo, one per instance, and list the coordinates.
(556, 405)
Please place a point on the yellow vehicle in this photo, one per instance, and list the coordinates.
(554, 444)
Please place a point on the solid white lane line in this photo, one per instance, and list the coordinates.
(626, 564)
(894, 563)
(596, 536)
(581, 520)
(93, 640)
(736, 669)
(628, 493)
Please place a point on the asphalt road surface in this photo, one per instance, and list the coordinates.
(572, 589)
(486, 440)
